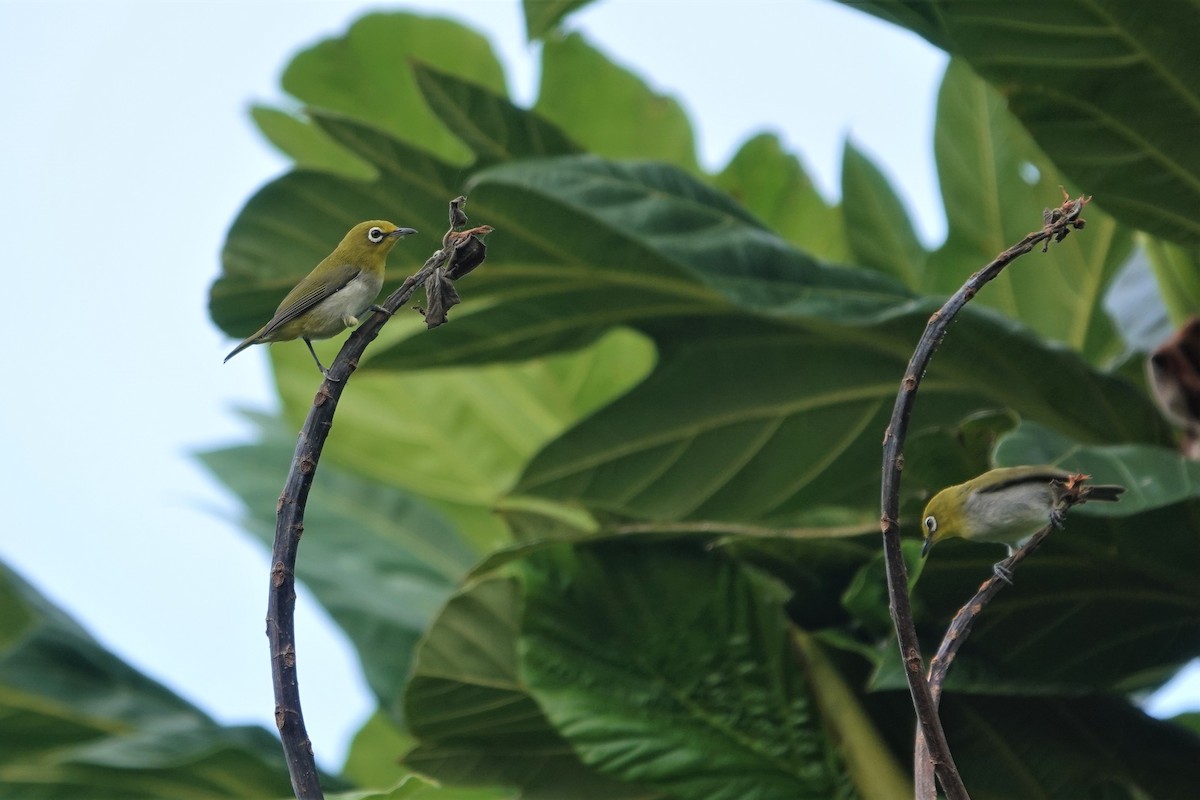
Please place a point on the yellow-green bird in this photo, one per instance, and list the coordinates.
(1007, 505)
(329, 299)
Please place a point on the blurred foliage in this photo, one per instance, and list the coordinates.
(672, 386)
(79, 722)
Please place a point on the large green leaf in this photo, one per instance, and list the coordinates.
(378, 559)
(774, 185)
(308, 145)
(709, 436)
(79, 722)
(293, 222)
(472, 712)
(487, 122)
(675, 670)
(1056, 748)
(587, 244)
(993, 177)
(368, 74)
(756, 422)
(1106, 603)
(608, 109)
(878, 229)
(1153, 476)
(1108, 88)
(460, 437)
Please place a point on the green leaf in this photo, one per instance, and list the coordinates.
(994, 182)
(1177, 270)
(295, 221)
(367, 74)
(79, 722)
(487, 122)
(375, 751)
(1152, 476)
(378, 559)
(774, 185)
(543, 16)
(950, 453)
(1106, 603)
(415, 788)
(618, 647)
(460, 437)
(1108, 88)
(584, 244)
(1057, 748)
(608, 109)
(876, 775)
(308, 145)
(473, 714)
(877, 227)
(706, 436)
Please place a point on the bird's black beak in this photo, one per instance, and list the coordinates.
(399, 232)
(925, 547)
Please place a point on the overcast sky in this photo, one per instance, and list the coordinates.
(127, 151)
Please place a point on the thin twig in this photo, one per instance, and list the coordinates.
(956, 634)
(1057, 224)
(289, 525)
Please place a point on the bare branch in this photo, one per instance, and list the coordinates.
(1057, 223)
(289, 521)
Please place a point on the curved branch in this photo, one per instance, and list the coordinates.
(1057, 223)
(459, 250)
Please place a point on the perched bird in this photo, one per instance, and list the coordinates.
(329, 299)
(1008, 505)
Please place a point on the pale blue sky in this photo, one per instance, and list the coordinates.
(127, 151)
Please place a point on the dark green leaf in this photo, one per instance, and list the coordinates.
(1106, 603)
(1108, 88)
(488, 123)
(79, 722)
(618, 648)
(754, 422)
(1096, 747)
(585, 244)
(473, 714)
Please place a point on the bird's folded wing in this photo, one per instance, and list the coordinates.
(301, 299)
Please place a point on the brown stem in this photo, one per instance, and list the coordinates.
(1057, 224)
(956, 634)
(289, 521)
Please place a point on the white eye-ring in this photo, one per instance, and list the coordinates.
(375, 235)
(931, 524)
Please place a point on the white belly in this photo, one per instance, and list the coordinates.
(329, 317)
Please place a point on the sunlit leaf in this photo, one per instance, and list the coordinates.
(608, 109)
(774, 185)
(994, 181)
